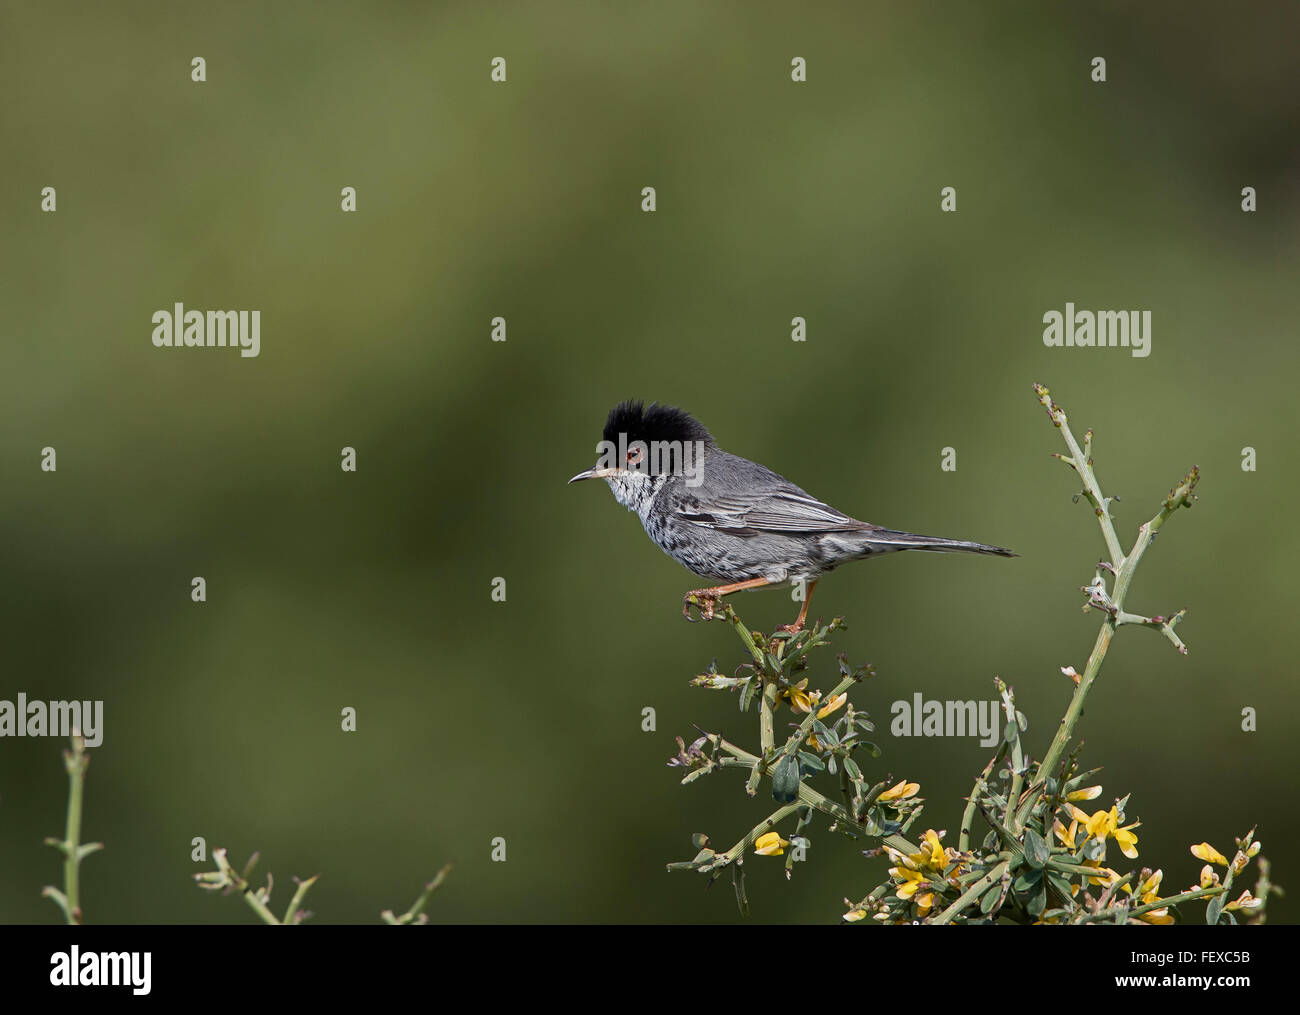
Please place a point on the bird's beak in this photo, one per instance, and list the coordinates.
(594, 473)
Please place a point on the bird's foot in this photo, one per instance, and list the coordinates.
(702, 599)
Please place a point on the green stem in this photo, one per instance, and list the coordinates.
(745, 635)
(766, 715)
(766, 825)
(1010, 819)
(1081, 462)
(75, 761)
(1147, 907)
(811, 798)
(971, 894)
(413, 914)
(968, 815)
(1065, 731)
(291, 914)
(258, 906)
(1125, 568)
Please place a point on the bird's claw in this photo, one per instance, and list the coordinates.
(704, 603)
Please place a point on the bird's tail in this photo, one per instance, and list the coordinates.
(890, 539)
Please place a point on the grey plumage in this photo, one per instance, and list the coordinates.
(742, 521)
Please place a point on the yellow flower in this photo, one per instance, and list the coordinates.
(916, 869)
(1066, 835)
(1204, 851)
(1127, 841)
(1150, 886)
(932, 854)
(1147, 894)
(1091, 793)
(832, 705)
(770, 844)
(799, 698)
(902, 791)
(855, 915)
(1106, 824)
(1104, 875)
(1101, 824)
(1209, 878)
(1245, 901)
(911, 880)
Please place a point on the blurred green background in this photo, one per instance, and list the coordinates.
(372, 590)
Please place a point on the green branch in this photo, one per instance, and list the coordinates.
(416, 913)
(76, 761)
(972, 893)
(1124, 568)
(226, 880)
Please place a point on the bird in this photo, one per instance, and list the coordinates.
(729, 520)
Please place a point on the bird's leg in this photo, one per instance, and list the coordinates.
(707, 599)
(797, 626)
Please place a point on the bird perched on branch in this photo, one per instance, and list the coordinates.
(730, 520)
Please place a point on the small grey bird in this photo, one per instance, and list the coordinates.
(728, 519)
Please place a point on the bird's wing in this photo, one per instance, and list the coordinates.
(783, 508)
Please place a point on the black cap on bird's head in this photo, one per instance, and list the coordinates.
(651, 423)
(648, 440)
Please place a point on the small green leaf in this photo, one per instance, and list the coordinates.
(990, 900)
(1036, 849)
(824, 735)
(1213, 910)
(785, 780)
(1059, 883)
(811, 761)
(1038, 902)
